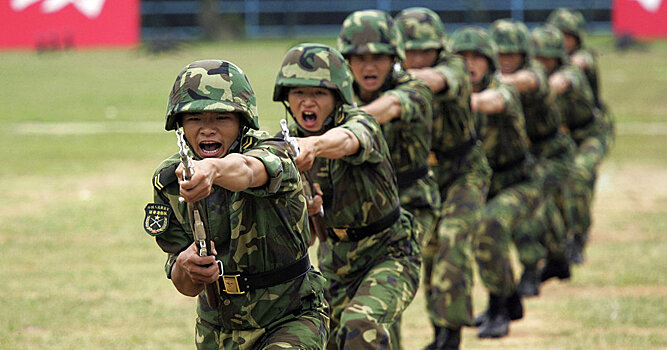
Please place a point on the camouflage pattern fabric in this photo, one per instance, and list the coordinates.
(212, 86)
(570, 21)
(547, 41)
(370, 31)
(409, 141)
(370, 282)
(448, 258)
(514, 194)
(511, 36)
(422, 29)
(250, 237)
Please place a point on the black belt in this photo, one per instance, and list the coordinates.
(542, 138)
(581, 125)
(407, 178)
(242, 283)
(356, 234)
(457, 151)
(509, 165)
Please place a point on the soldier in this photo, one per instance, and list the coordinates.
(515, 189)
(371, 255)
(462, 173)
(553, 149)
(583, 120)
(252, 205)
(373, 47)
(571, 24)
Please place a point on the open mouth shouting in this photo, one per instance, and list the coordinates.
(210, 149)
(309, 119)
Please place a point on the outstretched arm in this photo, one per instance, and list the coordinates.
(384, 108)
(522, 80)
(333, 144)
(436, 81)
(489, 101)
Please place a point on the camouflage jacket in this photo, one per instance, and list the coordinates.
(591, 72)
(409, 137)
(257, 230)
(453, 124)
(577, 105)
(504, 134)
(359, 189)
(539, 106)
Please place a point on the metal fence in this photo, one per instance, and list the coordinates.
(253, 19)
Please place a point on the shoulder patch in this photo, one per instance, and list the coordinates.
(157, 218)
(165, 177)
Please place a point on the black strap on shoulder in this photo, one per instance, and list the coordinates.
(406, 178)
(458, 151)
(165, 177)
(356, 234)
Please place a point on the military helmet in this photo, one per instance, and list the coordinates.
(422, 29)
(471, 38)
(370, 32)
(547, 41)
(510, 36)
(212, 86)
(568, 21)
(314, 65)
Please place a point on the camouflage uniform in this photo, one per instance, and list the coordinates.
(553, 149)
(409, 136)
(462, 173)
(573, 22)
(515, 189)
(255, 231)
(585, 124)
(371, 259)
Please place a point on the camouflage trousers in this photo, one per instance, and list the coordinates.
(591, 150)
(503, 213)
(447, 253)
(545, 233)
(369, 284)
(306, 331)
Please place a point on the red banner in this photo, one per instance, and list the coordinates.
(640, 18)
(57, 24)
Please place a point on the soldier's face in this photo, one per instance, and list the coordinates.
(509, 62)
(420, 58)
(549, 63)
(311, 106)
(477, 65)
(570, 41)
(370, 70)
(211, 133)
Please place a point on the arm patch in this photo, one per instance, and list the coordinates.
(165, 177)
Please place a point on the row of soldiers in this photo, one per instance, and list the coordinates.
(422, 155)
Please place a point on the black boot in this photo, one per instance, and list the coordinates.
(559, 268)
(514, 306)
(497, 320)
(575, 250)
(529, 286)
(436, 330)
(448, 339)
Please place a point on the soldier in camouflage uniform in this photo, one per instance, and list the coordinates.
(571, 24)
(371, 256)
(553, 149)
(462, 173)
(516, 184)
(582, 119)
(373, 47)
(255, 212)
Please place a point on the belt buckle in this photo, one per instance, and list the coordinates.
(231, 283)
(341, 233)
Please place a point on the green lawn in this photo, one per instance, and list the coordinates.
(83, 131)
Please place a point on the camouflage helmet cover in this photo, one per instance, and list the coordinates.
(422, 29)
(314, 65)
(212, 86)
(568, 21)
(547, 41)
(511, 36)
(471, 38)
(370, 32)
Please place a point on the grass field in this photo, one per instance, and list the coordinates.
(82, 132)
